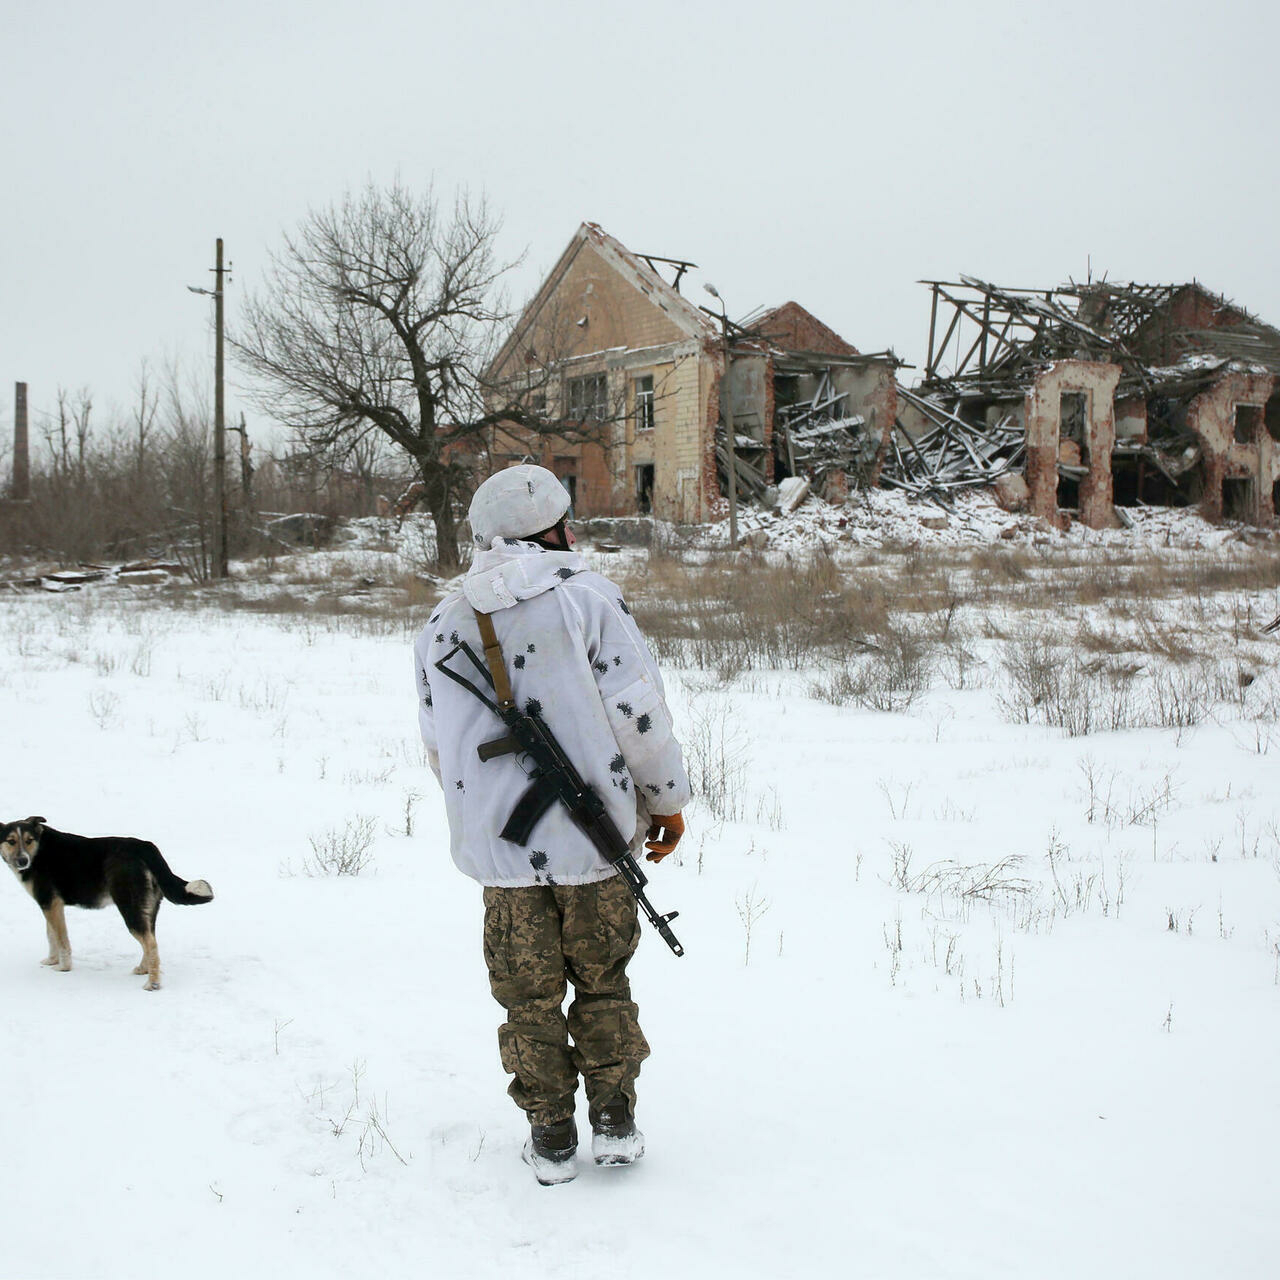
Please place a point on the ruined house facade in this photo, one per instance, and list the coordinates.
(627, 383)
(1122, 394)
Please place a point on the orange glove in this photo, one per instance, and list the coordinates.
(669, 829)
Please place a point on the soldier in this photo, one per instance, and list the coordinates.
(556, 912)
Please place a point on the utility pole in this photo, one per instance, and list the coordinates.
(219, 426)
(219, 423)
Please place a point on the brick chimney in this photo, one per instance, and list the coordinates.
(21, 459)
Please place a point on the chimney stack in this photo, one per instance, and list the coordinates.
(21, 491)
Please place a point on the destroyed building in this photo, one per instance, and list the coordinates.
(622, 379)
(1085, 399)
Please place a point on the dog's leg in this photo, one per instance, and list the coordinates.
(137, 896)
(150, 962)
(55, 921)
(140, 916)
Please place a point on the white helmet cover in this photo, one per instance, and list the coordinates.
(516, 503)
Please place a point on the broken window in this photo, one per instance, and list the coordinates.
(1248, 423)
(587, 399)
(1238, 502)
(644, 488)
(1273, 417)
(1072, 414)
(642, 392)
(565, 468)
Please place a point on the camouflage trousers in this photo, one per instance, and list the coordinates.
(537, 940)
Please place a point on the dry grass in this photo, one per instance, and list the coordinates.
(1080, 642)
(1083, 643)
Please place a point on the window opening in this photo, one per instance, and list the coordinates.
(1073, 412)
(1237, 499)
(587, 399)
(1248, 423)
(644, 488)
(643, 397)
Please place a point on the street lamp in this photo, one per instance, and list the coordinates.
(726, 413)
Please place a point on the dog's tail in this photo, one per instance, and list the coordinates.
(187, 893)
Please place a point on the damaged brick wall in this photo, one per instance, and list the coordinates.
(1212, 416)
(714, 504)
(1043, 416)
(792, 328)
(880, 408)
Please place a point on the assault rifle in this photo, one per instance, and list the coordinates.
(554, 777)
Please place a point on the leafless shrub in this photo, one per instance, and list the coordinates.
(893, 944)
(900, 876)
(890, 677)
(750, 908)
(715, 749)
(366, 1120)
(103, 707)
(1180, 699)
(995, 882)
(342, 851)
(769, 809)
(1047, 686)
(1073, 891)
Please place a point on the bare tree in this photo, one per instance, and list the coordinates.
(81, 409)
(144, 414)
(57, 436)
(380, 314)
(188, 464)
(246, 465)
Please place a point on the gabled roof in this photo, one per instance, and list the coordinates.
(793, 328)
(683, 313)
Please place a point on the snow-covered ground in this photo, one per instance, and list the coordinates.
(962, 997)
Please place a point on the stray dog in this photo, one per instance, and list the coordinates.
(59, 870)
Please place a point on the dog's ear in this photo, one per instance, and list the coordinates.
(38, 823)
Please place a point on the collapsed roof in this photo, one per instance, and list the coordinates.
(1164, 337)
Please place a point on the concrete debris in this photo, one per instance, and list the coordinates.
(791, 493)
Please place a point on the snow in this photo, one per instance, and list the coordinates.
(855, 1070)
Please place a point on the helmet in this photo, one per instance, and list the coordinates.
(516, 503)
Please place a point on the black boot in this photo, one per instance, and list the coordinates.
(551, 1151)
(614, 1136)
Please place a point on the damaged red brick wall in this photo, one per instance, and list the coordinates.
(793, 328)
(883, 403)
(770, 402)
(1043, 410)
(1211, 415)
(1192, 307)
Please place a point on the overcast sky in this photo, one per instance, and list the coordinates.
(833, 153)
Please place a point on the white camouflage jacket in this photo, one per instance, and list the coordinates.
(575, 656)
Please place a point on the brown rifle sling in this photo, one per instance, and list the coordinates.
(493, 656)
